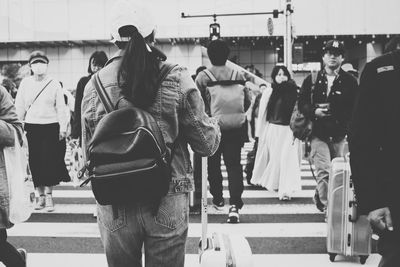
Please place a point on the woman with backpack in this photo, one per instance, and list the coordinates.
(130, 78)
(277, 165)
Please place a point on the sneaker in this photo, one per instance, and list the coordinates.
(195, 210)
(49, 203)
(41, 203)
(233, 216)
(218, 204)
(318, 203)
(284, 198)
(23, 254)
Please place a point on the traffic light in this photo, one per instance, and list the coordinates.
(275, 13)
(214, 31)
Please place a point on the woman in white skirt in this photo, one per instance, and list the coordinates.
(277, 166)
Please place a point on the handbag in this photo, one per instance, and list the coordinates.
(300, 124)
(20, 184)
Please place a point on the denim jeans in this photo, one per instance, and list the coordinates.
(231, 151)
(125, 229)
(322, 153)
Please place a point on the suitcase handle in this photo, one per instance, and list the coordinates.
(353, 216)
(204, 219)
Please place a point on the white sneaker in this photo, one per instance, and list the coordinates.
(49, 203)
(40, 203)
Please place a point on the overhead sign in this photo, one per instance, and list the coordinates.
(270, 26)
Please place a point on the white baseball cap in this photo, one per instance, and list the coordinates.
(128, 12)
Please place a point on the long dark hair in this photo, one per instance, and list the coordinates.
(99, 58)
(139, 69)
(278, 90)
(275, 71)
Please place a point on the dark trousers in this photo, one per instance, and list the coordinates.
(44, 153)
(230, 149)
(9, 255)
(389, 248)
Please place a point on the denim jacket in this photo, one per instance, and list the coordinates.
(178, 110)
(8, 123)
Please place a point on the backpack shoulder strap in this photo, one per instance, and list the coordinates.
(210, 75)
(314, 76)
(105, 100)
(234, 75)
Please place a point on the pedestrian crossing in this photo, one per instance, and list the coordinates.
(280, 233)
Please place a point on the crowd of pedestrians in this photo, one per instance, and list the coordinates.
(214, 111)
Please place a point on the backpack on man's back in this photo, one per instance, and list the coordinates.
(226, 99)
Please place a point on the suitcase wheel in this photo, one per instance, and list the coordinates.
(332, 257)
(363, 259)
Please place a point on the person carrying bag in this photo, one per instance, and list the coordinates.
(10, 130)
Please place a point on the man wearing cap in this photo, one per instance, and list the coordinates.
(329, 103)
(374, 145)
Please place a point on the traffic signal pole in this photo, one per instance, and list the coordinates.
(288, 37)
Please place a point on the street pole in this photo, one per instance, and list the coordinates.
(288, 36)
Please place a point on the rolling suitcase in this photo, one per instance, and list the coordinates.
(348, 233)
(221, 249)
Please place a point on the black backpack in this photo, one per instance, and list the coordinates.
(128, 161)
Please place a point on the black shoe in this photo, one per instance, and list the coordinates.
(218, 203)
(23, 254)
(318, 203)
(233, 216)
(195, 210)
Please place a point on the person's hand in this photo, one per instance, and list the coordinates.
(381, 219)
(62, 135)
(322, 112)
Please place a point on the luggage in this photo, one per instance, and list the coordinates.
(221, 249)
(195, 195)
(348, 233)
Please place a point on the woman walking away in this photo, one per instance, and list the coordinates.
(9, 255)
(277, 165)
(40, 104)
(131, 77)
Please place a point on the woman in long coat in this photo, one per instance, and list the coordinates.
(276, 166)
(9, 122)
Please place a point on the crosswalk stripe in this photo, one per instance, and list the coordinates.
(286, 208)
(192, 260)
(246, 229)
(281, 234)
(246, 194)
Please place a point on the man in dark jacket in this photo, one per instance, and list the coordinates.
(329, 103)
(374, 152)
